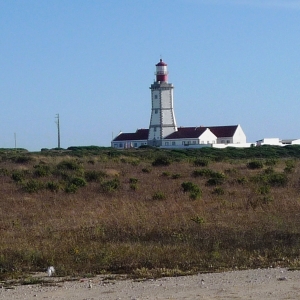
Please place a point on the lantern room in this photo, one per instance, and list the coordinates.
(161, 71)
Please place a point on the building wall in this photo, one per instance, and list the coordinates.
(128, 144)
(239, 136)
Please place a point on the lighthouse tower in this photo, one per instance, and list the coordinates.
(162, 121)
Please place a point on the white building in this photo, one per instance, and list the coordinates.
(163, 131)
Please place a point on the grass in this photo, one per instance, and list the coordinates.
(90, 218)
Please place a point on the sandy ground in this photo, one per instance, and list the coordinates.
(251, 284)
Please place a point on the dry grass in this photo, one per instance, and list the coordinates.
(125, 230)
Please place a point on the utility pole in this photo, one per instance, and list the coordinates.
(58, 131)
(15, 136)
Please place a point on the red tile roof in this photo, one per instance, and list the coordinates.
(140, 134)
(223, 131)
(186, 132)
(182, 133)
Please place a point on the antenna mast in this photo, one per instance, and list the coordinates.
(58, 131)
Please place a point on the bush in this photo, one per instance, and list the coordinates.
(290, 166)
(214, 181)
(195, 191)
(41, 170)
(201, 162)
(159, 196)
(146, 170)
(133, 180)
(68, 165)
(218, 191)
(71, 188)
(52, 186)
(94, 175)
(18, 176)
(24, 159)
(32, 186)
(189, 186)
(176, 176)
(78, 181)
(203, 173)
(161, 161)
(255, 164)
(110, 185)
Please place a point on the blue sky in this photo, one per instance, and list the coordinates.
(231, 62)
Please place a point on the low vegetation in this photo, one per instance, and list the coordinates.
(148, 212)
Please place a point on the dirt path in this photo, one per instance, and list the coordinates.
(275, 284)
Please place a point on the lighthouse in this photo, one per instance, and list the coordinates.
(162, 121)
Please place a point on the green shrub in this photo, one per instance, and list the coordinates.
(32, 186)
(273, 179)
(41, 170)
(133, 186)
(71, 188)
(242, 180)
(201, 162)
(23, 159)
(255, 164)
(271, 162)
(189, 186)
(110, 185)
(193, 189)
(4, 172)
(203, 173)
(278, 179)
(263, 190)
(133, 180)
(78, 181)
(52, 186)
(161, 161)
(198, 220)
(18, 176)
(214, 181)
(166, 174)
(218, 191)
(94, 175)
(159, 196)
(69, 165)
(176, 176)
(146, 170)
(290, 166)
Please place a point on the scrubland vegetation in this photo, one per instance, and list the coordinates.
(149, 212)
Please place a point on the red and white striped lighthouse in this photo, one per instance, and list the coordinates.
(161, 71)
(162, 121)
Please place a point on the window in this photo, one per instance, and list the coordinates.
(154, 129)
(194, 142)
(228, 141)
(155, 96)
(135, 145)
(222, 142)
(156, 111)
(115, 145)
(173, 143)
(167, 143)
(183, 143)
(121, 145)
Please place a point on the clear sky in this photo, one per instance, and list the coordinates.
(93, 61)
